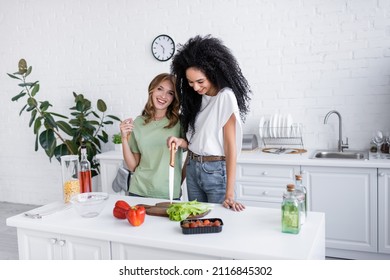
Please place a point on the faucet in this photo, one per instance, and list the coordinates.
(341, 145)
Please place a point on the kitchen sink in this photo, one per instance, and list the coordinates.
(362, 155)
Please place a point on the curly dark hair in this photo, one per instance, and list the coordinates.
(215, 60)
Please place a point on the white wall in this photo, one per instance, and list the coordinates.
(305, 57)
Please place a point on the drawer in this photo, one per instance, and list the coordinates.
(254, 172)
(260, 192)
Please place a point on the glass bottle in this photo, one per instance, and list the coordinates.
(373, 147)
(85, 171)
(290, 212)
(70, 179)
(301, 193)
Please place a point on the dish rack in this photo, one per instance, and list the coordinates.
(282, 136)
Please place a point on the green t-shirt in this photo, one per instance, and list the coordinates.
(151, 177)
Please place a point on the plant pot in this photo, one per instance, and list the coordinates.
(118, 147)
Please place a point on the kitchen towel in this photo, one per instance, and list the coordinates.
(122, 180)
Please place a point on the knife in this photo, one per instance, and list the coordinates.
(172, 171)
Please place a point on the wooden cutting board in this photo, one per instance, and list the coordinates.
(160, 209)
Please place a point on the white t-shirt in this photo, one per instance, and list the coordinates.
(214, 114)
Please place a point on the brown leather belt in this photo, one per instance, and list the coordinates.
(204, 158)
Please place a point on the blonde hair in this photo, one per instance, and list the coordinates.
(172, 111)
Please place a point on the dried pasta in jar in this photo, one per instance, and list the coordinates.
(71, 188)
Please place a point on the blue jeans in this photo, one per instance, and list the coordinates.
(206, 181)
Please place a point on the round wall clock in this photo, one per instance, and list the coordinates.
(163, 47)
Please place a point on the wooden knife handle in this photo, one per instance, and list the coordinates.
(173, 150)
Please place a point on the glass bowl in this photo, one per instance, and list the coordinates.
(89, 205)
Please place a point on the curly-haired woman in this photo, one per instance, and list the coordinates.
(144, 141)
(214, 98)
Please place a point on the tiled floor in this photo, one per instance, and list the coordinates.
(8, 239)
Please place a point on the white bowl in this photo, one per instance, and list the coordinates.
(89, 205)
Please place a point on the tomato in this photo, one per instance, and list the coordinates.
(217, 223)
(136, 215)
(199, 223)
(206, 223)
(193, 225)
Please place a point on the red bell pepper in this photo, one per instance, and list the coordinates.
(120, 209)
(119, 213)
(136, 215)
(122, 204)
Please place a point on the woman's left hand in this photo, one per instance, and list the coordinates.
(233, 205)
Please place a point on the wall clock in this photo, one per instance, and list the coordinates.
(163, 47)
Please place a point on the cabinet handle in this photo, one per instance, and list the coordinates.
(53, 240)
(61, 242)
(381, 174)
(265, 173)
(265, 193)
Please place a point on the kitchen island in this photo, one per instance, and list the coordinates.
(254, 233)
(262, 178)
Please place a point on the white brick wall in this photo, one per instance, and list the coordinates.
(304, 57)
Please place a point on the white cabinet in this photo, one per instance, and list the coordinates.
(263, 185)
(109, 165)
(348, 197)
(121, 251)
(384, 210)
(38, 245)
(109, 169)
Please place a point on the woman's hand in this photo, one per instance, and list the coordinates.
(126, 128)
(233, 205)
(179, 142)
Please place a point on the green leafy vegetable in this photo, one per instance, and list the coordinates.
(180, 211)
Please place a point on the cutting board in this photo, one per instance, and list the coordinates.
(160, 209)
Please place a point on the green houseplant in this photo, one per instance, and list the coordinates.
(117, 138)
(57, 134)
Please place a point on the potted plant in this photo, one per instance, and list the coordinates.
(57, 134)
(117, 140)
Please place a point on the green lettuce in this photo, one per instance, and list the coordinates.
(182, 210)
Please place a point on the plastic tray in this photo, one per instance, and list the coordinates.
(201, 229)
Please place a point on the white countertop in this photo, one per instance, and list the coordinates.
(257, 156)
(251, 234)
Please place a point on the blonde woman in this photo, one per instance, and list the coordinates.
(144, 141)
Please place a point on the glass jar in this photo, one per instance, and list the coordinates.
(291, 212)
(301, 194)
(70, 178)
(301, 197)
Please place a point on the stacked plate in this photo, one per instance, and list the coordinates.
(276, 126)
